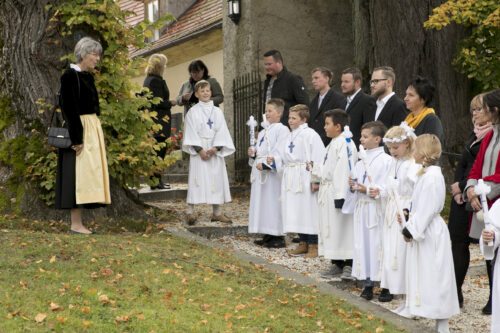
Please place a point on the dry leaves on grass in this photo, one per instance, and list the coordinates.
(39, 318)
(55, 307)
(122, 319)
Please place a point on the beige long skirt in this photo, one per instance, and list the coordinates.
(92, 178)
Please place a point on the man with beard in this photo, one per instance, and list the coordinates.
(326, 99)
(280, 83)
(359, 105)
(391, 109)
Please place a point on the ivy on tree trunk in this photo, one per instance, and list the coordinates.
(37, 38)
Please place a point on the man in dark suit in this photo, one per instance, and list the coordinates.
(391, 110)
(326, 99)
(280, 83)
(359, 105)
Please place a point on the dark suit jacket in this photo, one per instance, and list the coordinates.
(290, 88)
(393, 113)
(359, 110)
(332, 100)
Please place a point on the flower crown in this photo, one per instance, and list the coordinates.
(409, 133)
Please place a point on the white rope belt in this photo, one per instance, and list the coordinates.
(289, 177)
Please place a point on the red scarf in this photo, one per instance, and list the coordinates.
(477, 167)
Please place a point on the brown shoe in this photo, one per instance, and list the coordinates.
(300, 249)
(221, 218)
(312, 251)
(191, 219)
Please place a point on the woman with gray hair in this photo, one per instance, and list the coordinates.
(156, 84)
(82, 171)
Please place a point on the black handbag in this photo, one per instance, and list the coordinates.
(58, 137)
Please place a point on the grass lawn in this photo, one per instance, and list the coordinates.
(135, 282)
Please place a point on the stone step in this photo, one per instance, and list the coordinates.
(178, 191)
(175, 177)
(218, 232)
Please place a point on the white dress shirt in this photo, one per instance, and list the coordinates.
(350, 98)
(381, 103)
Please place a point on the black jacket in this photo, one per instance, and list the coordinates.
(458, 223)
(393, 113)
(359, 111)
(159, 88)
(290, 88)
(78, 97)
(332, 100)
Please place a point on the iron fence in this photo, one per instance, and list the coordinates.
(247, 99)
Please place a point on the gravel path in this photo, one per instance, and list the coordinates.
(475, 287)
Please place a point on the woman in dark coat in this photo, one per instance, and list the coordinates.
(156, 84)
(198, 71)
(460, 219)
(422, 117)
(82, 179)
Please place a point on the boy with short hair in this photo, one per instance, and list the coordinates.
(335, 238)
(264, 217)
(369, 172)
(207, 141)
(301, 150)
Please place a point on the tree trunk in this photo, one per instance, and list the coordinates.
(397, 38)
(30, 68)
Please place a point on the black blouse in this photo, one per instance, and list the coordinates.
(78, 97)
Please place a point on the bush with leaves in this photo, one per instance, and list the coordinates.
(125, 116)
(479, 53)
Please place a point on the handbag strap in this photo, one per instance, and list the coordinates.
(59, 104)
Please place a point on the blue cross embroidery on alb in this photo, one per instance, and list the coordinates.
(291, 146)
(210, 123)
(260, 142)
(364, 177)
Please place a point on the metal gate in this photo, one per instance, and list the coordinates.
(247, 99)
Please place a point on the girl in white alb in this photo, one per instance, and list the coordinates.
(431, 290)
(396, 195)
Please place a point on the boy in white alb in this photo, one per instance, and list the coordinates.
(431, 290)
(396, 195)
(207, 141)
(299, 202)
(335, 238)
(370, 171)
(264, 213)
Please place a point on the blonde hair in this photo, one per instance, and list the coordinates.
(277, 103)
(477, 102)
(429, 147)
(396, 132)
(156, 64)
(302, 110)
(201, 84)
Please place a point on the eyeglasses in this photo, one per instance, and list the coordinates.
(375, 81)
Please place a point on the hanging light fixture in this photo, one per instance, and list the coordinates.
(234, 10)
